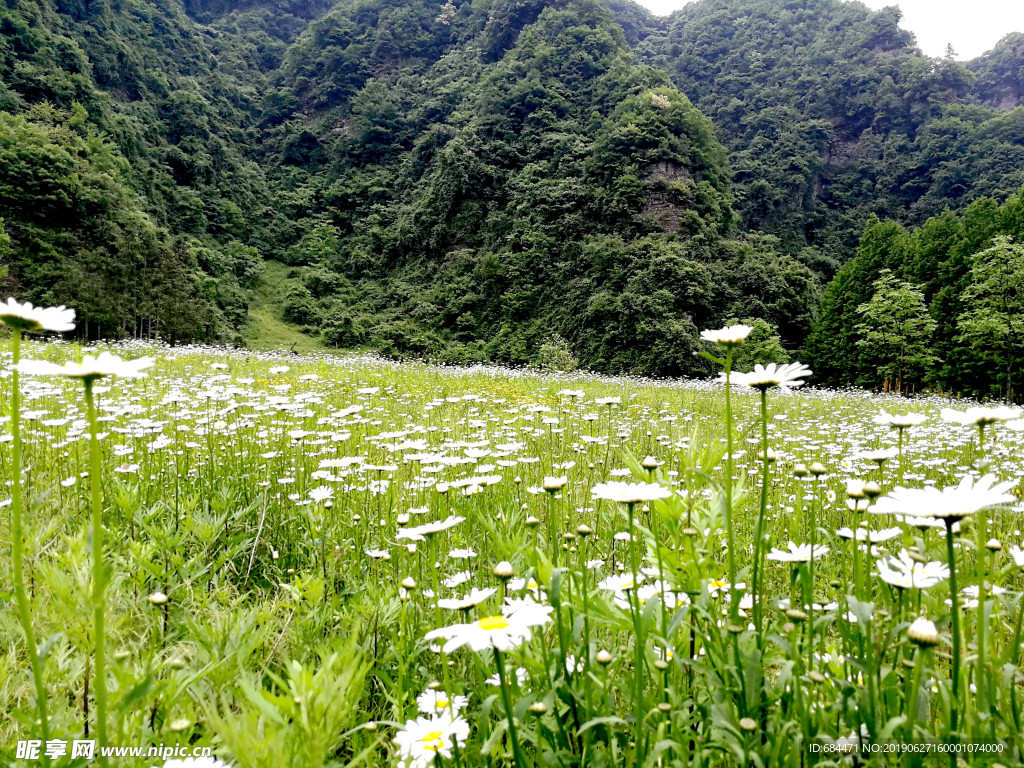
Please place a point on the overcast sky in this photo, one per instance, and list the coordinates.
(972, 26)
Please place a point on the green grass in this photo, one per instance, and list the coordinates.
(283, 637)
(266, 328)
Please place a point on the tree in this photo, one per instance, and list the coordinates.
(5, 249)
(896, 331)
(831, 346)
(993, 321)
(762, 345)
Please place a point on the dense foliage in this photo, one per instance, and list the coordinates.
(968, 270)
(466, 181)
(831, 114)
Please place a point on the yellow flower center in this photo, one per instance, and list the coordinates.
(442, 703)
(433, 741)
(489, 623)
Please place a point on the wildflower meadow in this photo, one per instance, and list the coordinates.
(340, 560)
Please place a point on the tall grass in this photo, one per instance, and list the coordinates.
(283, 641)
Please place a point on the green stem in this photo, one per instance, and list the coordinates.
(17, 534)
(734, 603)
(553, 529)
(638, 680)
(810, 575)
(955, 618)
(920, 662)
(758, 527)
(1016, 659)
(98, 580)
(507, 700)
(632, 543)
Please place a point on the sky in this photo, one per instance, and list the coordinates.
(972, 26)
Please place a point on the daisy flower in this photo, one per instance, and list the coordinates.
(798, 553)
(321, 493)
(621, 586)
(521, 678)
(951, 502)
(513, 627)
(1017, 553)
(457, 579)
(863, 534)
(906, 573)
(25, 317)
(980, 416)
(785, 377)
(90, 367)
(881, 455)
(423, 739)
(421, 532)
(729, 335)
(473, 599)
(924, 632)
(716, 586)
(437, 702)
(629, 493)
(899, 421)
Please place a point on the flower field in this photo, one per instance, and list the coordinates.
(340, 560)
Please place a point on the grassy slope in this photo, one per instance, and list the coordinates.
(267, 328)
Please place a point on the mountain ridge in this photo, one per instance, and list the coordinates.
(469, 179)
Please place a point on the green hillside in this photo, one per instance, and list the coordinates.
(468, 181)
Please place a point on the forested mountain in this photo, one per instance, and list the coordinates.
(939, 306)
(831, 114)
(468, 180)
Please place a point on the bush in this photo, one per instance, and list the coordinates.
(556, 355)
(300, 307)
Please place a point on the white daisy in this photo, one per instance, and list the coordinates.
(474, 598)
(980, 416)
(629, 493)
(432, 702)
(90, 367)
(899, 421)
(503, 632)
(798, 553)
(729, 335)
(951, 502)
(424, 739)
(25, 317)
(906, 573)
(785, 377)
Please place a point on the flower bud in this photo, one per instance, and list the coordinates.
(923, 632)
(554, 484)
